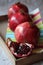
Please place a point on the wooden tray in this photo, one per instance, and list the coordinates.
(22, 61)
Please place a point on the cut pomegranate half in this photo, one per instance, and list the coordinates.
(24, 53)
(20, 49)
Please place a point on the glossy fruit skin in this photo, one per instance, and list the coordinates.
(22, 6)
(17, 19)
(26, 32)
(17, 7)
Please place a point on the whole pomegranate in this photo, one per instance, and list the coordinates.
(17, 7)
(26, 32)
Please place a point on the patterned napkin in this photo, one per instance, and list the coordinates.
(37, 20)
(36, 17)
(10, 34)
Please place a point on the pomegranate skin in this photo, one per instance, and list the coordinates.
(26, 32)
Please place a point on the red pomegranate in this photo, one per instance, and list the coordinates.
(27, 32)
(17, 7)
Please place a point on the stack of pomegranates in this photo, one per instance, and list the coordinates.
(26, 33)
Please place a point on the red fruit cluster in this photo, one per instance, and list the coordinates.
(25, 31)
